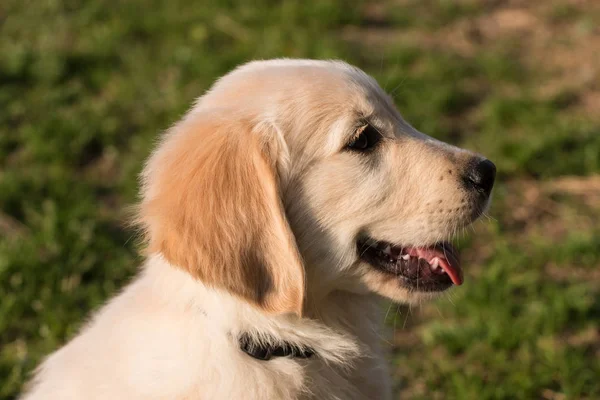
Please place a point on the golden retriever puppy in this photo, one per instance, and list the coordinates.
(276, 212)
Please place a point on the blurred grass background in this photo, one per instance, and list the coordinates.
(86, 87)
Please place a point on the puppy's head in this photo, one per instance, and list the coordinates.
(291, 176)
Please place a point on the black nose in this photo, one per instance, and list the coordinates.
(480, 175)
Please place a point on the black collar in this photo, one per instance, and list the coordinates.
(266, 351)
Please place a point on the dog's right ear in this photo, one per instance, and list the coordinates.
(211, 205)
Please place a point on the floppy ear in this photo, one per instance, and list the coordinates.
(211, 205)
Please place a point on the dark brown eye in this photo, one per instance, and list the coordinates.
(366, 139)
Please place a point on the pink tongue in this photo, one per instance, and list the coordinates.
(447, 256)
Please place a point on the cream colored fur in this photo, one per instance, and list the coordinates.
(251, 207)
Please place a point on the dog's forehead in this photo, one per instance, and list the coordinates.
(308, 100)
(281, 81)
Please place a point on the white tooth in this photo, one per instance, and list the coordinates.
(435, 264)
(406, 257)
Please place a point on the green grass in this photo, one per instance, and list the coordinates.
(86, 87)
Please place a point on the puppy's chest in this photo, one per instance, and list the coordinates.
(365, 377)
(307, 378)
(310, 380)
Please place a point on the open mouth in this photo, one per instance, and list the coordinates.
(421, 268)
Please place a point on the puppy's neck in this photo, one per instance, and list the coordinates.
(231, 317)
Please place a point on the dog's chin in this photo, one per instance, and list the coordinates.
(408, 273)
(385, 286)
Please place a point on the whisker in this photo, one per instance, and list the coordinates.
(368, 247)
(489, 217)
(388, 311)
(396, 316)
(449, 297)
(128, 239)
(444, 249)
(397, 87)
(407, 314)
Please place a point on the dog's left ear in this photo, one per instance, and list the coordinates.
(211, 205)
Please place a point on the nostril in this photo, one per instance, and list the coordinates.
(480, 175)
